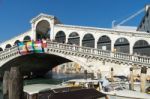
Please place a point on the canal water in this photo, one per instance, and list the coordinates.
(58, 79)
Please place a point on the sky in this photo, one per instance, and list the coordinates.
(15, 15)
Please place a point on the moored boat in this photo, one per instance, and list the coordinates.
(47, 91)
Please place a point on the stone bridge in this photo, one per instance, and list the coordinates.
(58, 53)
(92, 47)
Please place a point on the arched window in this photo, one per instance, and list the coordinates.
(88, 41)
(74, 38)
(8, 46)
(26, 39)
(43, 30)
(104, 43)
(141, 47)
(60, 37)
(122, 45)
(1, 49)
(16, 42)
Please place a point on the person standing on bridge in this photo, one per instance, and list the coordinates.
(44, 45)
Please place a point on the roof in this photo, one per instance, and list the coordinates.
(147, 8)
(44, 90)
(41, 15)
(79, 94)
(36, 88)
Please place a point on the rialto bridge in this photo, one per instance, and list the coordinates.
(91, 47)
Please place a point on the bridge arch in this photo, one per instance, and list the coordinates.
(141, 47)
(46, 61)
(16, 42)
(104, 42)
(8, 46)
(60, 37)
(88, 40)
(26, 39)
(43, 30)
(74, 38)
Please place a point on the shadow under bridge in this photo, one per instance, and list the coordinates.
(37, 63)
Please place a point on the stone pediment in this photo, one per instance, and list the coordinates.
(42, 15)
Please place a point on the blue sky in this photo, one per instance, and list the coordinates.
(15, 15)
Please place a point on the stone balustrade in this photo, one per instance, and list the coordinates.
(8, 53)
(84, 51)
(135, 59)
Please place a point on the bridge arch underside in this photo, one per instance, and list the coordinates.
(141, 47)
(122, 45)
(43, 30)
(104, 43)
(38, 64)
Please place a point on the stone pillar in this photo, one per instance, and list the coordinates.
(5, 85)
(85, 74)
(112, 46)
(131, 82)
(52, 37)
(33, 32)
(15, 84)
(143, 78)
(112, 74)
(131, 48)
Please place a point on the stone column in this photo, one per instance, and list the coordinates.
(85, 74)
(15, 84)
(112, 46)
(143, 78)
(112, 74)
(5, 85)
(131, 83)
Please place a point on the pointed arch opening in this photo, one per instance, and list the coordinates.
(88, 41)
(104, 43)
(122, 45)
(74, 38)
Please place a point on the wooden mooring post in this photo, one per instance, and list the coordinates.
(112, 74)
(12, 84)
(143, 78)
(5, 85)
(131, 82)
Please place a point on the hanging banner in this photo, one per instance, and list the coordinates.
(22, 48)
(30, 47)
(38, 47)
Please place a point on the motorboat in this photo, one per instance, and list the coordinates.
(83, 87)
(121, 90)
(115, 89)
(61, 91)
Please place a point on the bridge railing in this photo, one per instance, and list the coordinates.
(8, 52)
(85, 50)
(100, 52)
